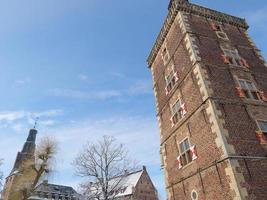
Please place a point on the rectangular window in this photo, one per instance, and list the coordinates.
(171, 80)
(263, 127)
(249, 89)
(185, 152)
(232, 57)
(178, 111)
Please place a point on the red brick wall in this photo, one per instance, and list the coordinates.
(238, 114)
(145, 189)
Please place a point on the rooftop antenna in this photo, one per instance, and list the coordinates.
(36, 122)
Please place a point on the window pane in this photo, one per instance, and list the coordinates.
(184, 161)
(177, 106)
(254, 95)
(186, 144)
(263, 126)
(243, 84)
(182, 147)
(189, 157)
(235, 54)
(227, 52)
(251, 86)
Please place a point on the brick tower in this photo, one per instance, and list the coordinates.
(20, 176)
(210, 83)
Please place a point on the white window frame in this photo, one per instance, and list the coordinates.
(171, 79)
(234, 56)
(248, 91)
(258, 123)
(186, 152)
(177, 111)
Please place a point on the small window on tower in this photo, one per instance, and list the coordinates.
(222, 35)
(186, 157)
(171, 79)
(263, 127)
(232, 57)
(248, 90)
(165, 54)
(261, 134)
(219, 31)
(178, 111)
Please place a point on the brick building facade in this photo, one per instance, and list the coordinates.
(210, 83)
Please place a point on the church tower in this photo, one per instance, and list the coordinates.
(20, 176)
(210, 83)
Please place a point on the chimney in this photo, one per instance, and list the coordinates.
(144, 168)
(45, 183)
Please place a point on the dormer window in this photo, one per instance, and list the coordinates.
(231, 56)
(248, 90)
(171, 79)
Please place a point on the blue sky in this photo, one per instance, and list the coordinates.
(80, 65)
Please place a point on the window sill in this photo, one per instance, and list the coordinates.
(254, 101)
(232, 66)
(187, 165)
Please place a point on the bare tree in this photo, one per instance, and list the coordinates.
(44, 159)
(104, 165)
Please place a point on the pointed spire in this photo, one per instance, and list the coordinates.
(29, 146)
(28, 150)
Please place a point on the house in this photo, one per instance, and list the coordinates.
(46, 191)
(131, 186)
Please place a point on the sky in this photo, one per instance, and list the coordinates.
(80, 66)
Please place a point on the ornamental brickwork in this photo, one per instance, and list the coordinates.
(210, 86)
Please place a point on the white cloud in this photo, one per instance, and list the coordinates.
(138, 88)
(83, 77)
(16, 119)
(11, 116)
(78, 94)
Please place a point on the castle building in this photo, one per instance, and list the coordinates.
(19, 176)
(210, 83)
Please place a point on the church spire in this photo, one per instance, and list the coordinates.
(27, 150)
